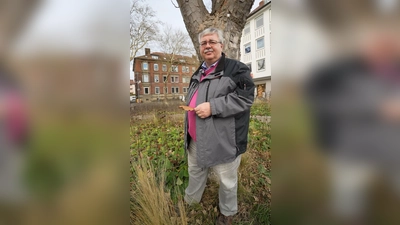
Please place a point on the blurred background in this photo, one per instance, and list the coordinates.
(337, 99)
(63, 130)
(63, 71)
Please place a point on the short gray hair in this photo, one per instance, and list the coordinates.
(212, 30)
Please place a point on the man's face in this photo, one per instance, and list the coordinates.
(210, 48)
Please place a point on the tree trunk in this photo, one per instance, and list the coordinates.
(228, 15)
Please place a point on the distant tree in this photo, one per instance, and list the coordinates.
(228, 15)
(143, 26)
(174, 43)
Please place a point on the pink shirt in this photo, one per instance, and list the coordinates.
(192, 114)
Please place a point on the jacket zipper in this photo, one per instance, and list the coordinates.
(208, 86)
(192, 88)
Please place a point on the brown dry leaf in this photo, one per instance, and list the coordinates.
(186, 108)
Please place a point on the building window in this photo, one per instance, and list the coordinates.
(175, 90)
(154, 57)
(246, 29)
(260, 43)
(157, 90)
(193, 69)
(165, 90)
(247, 48)
(174, 79)
(185, 69)
(164, 78)
(249, 65)
(182, 60)
(155, 67)
(174, 68)
(146, 90)
(164, 67)
(145, 78)
(259, 22)
(156, 78)
(260, 64)
(185, 79)
(185, 90)
(145, 66)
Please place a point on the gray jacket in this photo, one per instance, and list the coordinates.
(230, 90)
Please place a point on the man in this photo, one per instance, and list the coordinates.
(221, 92)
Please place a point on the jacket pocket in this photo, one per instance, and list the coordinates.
(220, 135)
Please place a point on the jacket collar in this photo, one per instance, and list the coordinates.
(220, 67)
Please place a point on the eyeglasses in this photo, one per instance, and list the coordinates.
(211, 43)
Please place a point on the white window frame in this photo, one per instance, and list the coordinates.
(164, 67)
(263, 43)
(144, 76)
(246, 28)
(175, 90)
(144, 90)
(258, 67)
(155, 67)
(247, 45)
(145, 66)
(173, 67)
(260, 18)
(157, 90)
(156, 78)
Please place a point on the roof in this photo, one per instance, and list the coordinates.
(163, 56)
(259, 7)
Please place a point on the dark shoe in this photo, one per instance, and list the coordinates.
(224, 220)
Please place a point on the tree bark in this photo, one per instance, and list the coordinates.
(228, 15)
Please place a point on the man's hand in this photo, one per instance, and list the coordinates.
(203, 110)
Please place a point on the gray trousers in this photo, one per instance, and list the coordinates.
(228, 182)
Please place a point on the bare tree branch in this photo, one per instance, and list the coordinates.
(174, 43)
(174, 4)
(143, 27)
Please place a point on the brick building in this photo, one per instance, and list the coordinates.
(152, 69)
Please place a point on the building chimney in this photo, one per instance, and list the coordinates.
(147, 51)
